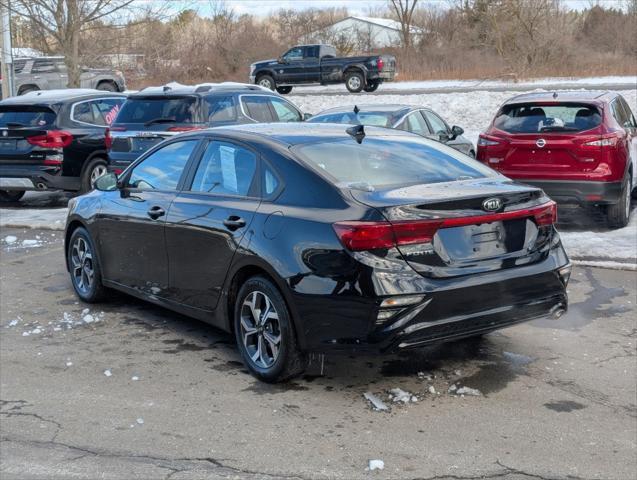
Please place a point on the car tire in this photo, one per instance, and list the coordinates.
(354, 82)
(268, 345)
(107, 86)
(27, 89)
(84, 267)
(92, 171)
(266, 81)
(619, 213)
(11, 195)
(283, 90)
(372, 87)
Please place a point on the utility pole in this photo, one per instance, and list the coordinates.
(7, 56)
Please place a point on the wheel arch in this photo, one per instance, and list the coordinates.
(255, 267)
(72, 225)
(28, 86)
(358, 68)
(108, 80)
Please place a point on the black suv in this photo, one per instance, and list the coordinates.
(157, 113)
(54, 140)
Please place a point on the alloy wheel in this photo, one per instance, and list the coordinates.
(82, 265)
(266, 83)
(354, 82)
(260, 329)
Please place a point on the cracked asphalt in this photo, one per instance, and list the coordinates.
(558, 397)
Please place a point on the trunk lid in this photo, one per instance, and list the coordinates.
(472, 239)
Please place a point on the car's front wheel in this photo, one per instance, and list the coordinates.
(11, 195)
(266, 81)
(84, 266)
(619, 213)
(265, 333)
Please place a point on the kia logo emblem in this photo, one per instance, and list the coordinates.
(492, 204)
(540, 142)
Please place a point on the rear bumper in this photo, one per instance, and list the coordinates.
(578, 192)
(36, 178)
(449, 309)
(382, 76)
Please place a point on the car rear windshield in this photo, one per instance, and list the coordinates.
(26, 116)
(380, 162)
(378, 119)
(533, 118)
(149, 110)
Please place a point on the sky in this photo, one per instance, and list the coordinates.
(355, 7)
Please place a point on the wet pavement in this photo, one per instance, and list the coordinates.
(557, 397)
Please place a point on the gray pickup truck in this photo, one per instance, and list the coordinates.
(50, 73)
(319, 65)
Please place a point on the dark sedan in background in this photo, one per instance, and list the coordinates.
(312, 238)
(54, 140)
(411, 118)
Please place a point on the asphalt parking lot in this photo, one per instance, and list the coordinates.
(129, 390)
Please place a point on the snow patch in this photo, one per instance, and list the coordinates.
(468, 391)
(108, 373)
(9, 239)
(375, 465)
(377, 403)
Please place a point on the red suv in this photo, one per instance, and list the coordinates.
(579, 147)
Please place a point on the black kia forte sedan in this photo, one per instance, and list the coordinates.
(319, 237)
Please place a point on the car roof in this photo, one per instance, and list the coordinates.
(594, 96)
(371, 107)
(174, 88)
(297, 133)
(49, 97)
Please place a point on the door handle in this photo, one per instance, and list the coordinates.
(156, 212)
(233, 222)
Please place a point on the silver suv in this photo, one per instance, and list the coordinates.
(48, 73)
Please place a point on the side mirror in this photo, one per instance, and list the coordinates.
(307, 116)
(107, 183)
(444, 136)
(456, 131)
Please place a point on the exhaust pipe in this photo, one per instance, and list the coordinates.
(557, 311)
(41, 186)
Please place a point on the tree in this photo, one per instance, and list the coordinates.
(64, 21)
(404, 12)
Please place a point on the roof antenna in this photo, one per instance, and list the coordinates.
(357, 132)
(554, 94)
(356, 109)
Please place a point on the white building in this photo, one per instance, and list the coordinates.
(368, 32)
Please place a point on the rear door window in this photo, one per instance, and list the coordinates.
(226, 169)
(43, 66)
(99, 112)
(529, 118)
(26, 116)
(257, 107)
(162, 169)
(83, 112)
(221, 108)
(415, 123)
(149, 110)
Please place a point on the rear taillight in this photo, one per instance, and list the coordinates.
(52, 139)
(484, 141)
(607, 141)
(184, 129)
(359, 236)
(379, 63)
(108, 140)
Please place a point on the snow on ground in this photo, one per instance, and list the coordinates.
(46, 219)
(472, 111)
(605, 248)
(69, 320)
(548, 82)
